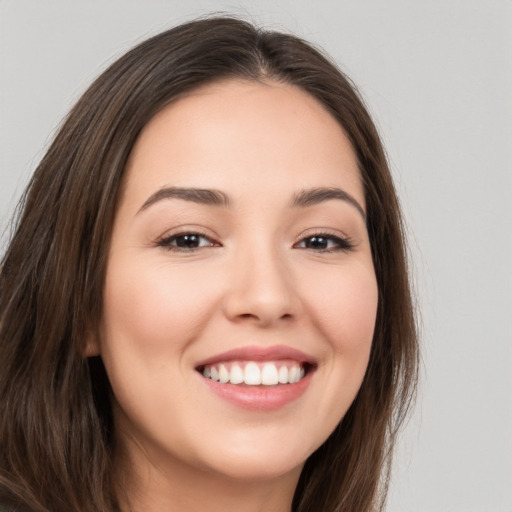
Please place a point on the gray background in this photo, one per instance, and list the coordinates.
(438, 78)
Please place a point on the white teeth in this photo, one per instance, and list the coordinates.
(252, 374)
(236, 375)
(294, 374)
(255, 374)
(223, 374)
(269, 376)
(283, 375)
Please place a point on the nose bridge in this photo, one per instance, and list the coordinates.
(261, 286)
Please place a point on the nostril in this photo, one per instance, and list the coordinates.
(264, 317)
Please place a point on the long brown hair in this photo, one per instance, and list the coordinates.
(56, 431)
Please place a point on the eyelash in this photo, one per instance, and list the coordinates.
(167, 242)
(338, 244)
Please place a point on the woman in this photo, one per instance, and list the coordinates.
(205, 304)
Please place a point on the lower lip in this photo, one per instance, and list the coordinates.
(260, 398)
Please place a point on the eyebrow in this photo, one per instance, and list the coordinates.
(313, 196)
(211, 197)
(196, 195)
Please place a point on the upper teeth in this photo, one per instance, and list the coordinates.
(255, 374)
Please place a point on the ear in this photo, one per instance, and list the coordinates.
(91, 347)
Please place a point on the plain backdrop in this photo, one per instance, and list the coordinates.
(437, 76)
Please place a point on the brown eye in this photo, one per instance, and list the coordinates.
(191, 241)
(317, 242)
(325, 243)
(186, 242)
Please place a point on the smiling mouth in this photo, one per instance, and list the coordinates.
(256, 373)
(258, 379)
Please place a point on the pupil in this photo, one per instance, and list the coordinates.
(317, 242)
(187, 241)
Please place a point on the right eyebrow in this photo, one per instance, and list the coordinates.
(197, 195)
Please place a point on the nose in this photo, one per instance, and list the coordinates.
(261, 289)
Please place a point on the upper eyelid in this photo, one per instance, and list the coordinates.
(327, 232)
(189, 230)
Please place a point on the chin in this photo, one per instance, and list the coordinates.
(259, 469)
(260, 457)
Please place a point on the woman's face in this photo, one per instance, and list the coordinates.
(239, 255)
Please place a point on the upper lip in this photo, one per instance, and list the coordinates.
(257, 353)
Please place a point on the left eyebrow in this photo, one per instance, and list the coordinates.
(313, 196)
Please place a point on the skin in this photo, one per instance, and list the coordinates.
(255, 279)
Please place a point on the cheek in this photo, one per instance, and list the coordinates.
(345, 308)
(154, 306)
(152, 313)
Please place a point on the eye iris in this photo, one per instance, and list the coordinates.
(317, 242)
(187, 241)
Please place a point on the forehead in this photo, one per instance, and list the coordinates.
(244, 135)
